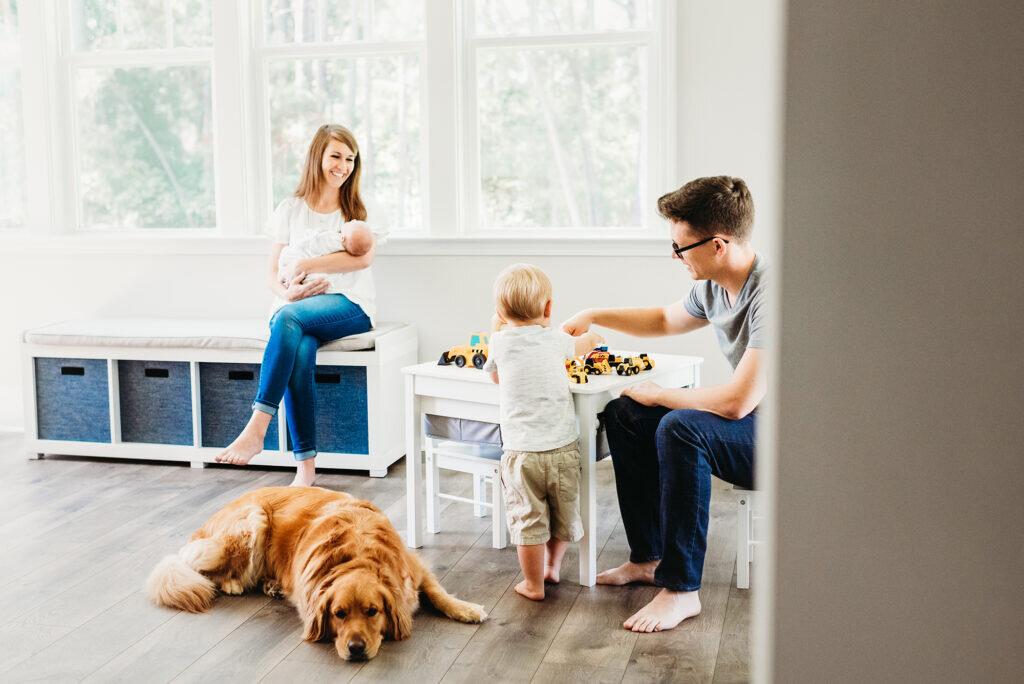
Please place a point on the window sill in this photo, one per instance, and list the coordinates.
(220, 245)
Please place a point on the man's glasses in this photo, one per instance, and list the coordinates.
(679, 250)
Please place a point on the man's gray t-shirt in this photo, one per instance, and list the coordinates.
(738, 326)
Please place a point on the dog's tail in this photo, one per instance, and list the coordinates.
(176, 584)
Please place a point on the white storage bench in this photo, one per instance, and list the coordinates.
(181, 390)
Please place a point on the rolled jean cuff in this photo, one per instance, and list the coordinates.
(266, 408)
(637, 558)
(675, 586)
(305, 455)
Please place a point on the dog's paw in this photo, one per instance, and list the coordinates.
(272, 589)
(232, 586)
(470, 612)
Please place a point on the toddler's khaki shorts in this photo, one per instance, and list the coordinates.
(542, 494)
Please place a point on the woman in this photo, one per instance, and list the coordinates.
(310, 312)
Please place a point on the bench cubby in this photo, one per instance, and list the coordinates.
(182, 390)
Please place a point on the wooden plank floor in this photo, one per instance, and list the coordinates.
(80, 535)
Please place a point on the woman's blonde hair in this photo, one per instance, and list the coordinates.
(312, 182)
(521, 291)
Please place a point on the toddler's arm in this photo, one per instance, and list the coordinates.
(586, 342)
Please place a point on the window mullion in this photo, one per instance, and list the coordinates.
(470, 219)
(440, 167)
(232, 157)
(41, 209)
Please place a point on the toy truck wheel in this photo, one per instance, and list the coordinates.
(460, 360)
(621, 369)
(479, 360)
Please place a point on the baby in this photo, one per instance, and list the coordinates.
(353, 237)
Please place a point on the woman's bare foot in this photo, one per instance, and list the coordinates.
(524, 589)
(666, 610)
(629, 572)
(305, 473)
(249, 443)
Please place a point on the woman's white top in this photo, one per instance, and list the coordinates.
(294, 220)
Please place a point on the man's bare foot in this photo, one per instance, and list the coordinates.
(629, 572)
(551, 574)
(666, 610)
(535, 594)
(241, 451)
(305, 474)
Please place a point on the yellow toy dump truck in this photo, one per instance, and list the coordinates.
(576, 371)
(597, 362)
(631, 365)
(475, 352)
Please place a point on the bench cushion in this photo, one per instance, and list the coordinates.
(182, 333)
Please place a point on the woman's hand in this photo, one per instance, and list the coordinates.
(296, 289)
(287, 272)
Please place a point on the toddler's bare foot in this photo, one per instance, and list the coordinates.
(551, 574)
(535, 594)
(665, 611)
(241, 451)
(629, 572)
(305, 474)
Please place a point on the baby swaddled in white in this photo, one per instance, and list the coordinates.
(353, 237)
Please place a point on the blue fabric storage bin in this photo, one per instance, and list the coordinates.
(156, 401)
(226, 393)
(342, 423)
(72, 399)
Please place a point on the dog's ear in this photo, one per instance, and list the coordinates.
(314, 615)
(399, 616)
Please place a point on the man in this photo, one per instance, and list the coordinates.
(667, 442)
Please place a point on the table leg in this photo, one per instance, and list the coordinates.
(413, 466)
(587, 417)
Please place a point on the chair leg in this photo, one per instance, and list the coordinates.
(479, 493)
(743, 542)
(433, 489)
(499, 526)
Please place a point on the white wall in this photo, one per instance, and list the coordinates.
(900, 554)
(728, 65)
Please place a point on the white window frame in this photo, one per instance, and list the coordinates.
(241, 135)
(659, 157)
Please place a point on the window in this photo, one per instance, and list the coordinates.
(12, 162)
(474, 118)
(565, 97)
(358, 64)
(141, 113)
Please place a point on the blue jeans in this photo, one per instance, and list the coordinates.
(296, 331)
(664, 461)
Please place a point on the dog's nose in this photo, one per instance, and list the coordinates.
(356, 646)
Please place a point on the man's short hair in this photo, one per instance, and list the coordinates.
(716, 205)
(521, 291)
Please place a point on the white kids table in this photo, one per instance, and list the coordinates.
(469, 393)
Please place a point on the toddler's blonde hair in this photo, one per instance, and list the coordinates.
(521, 291)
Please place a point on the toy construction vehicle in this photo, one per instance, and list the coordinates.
(475, 352)
(631, 365)
(576, 370)
(597, 362)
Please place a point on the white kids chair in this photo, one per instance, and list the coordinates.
(746, 516)
(466, 446)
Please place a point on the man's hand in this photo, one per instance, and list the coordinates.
(578, 324)
(645, 393)
(296, 289)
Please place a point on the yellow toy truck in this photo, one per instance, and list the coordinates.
(576, 371)
(631, 365)
(475, 352)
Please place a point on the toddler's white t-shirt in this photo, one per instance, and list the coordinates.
(537, 411)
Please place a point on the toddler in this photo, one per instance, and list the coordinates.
(353, 237)
(540, 466)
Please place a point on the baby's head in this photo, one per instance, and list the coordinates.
(357, 237)
(522, 293)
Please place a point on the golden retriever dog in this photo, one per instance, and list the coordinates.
(337, 558)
